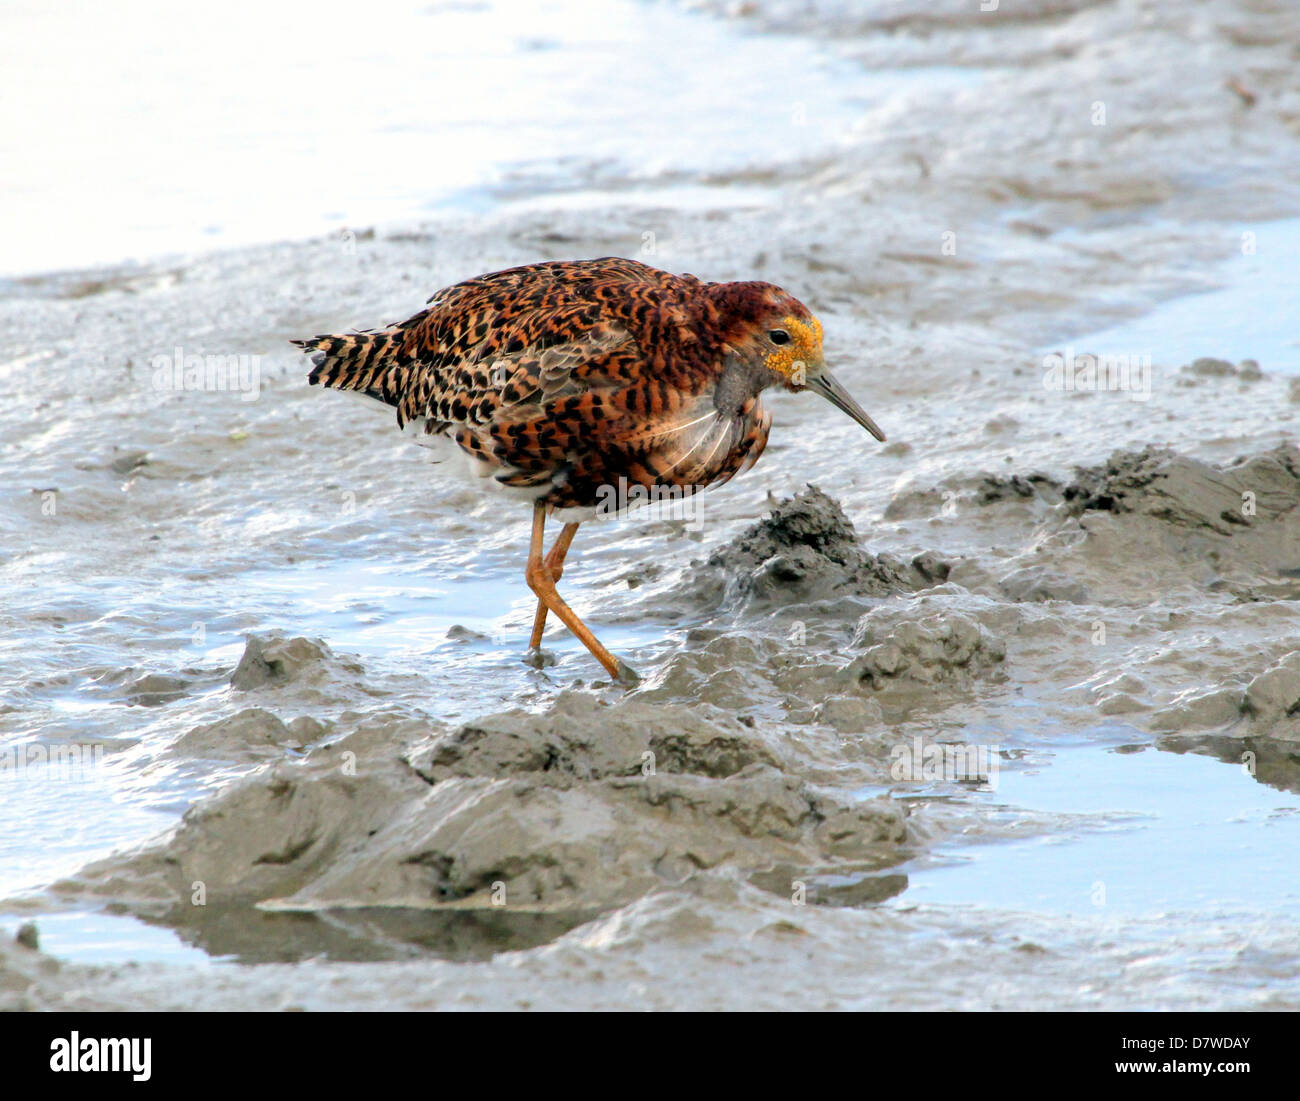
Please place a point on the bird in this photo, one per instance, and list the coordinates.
(557, 381)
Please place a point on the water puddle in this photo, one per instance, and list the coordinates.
(394, 611)
(94, 937)
(217, 936)
(1254, 314)
(1142, 832)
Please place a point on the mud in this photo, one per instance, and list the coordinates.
(300, 644)
(1190, 494)
(273, 661)
(584, 808)
(805, 550)
(935, 650)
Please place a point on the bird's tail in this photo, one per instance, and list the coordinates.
(364, 362)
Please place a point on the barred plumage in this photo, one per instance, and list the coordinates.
(562, 379)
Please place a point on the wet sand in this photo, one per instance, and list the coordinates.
(299, 643)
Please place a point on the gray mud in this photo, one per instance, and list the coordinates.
(586, 807)
(805, 550)
(300, 644)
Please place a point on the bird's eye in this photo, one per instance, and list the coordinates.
(779, 336)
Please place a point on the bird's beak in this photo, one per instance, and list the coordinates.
(824, 383)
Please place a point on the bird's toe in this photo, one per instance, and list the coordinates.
(539, 658)
(626, 675)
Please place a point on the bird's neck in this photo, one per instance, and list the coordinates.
(741, 380)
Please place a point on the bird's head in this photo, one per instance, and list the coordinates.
(775, 331)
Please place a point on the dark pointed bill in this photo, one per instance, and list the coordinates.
(826, 384)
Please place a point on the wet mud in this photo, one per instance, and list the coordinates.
(300, 644)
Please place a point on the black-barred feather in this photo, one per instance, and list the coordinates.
(568, 376)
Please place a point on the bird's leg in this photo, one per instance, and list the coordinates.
(554, 562)
(543, 584)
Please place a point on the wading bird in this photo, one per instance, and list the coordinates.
(557, 381)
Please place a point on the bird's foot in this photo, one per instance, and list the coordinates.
(626, 675)
(539, 658)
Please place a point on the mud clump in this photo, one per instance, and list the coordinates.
(940, 649)
(274, 660)
(588, 806)
(995, 487)
(1035, 490)
(1188, 493)
(155, 690)
(129, 462)
(807, 549)
(1274, 695)
(1264, 706)
(589, 740)
(23, 967)
(250, 733)
(1167, 523)
(1039, 584)
(1210, 367)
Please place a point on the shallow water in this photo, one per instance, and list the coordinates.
(126, 611)
(50, 825)
(94, 937)
(1250, 312)
(462, 631)
(467, 104)
(1142, 834)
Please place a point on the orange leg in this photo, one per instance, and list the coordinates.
(542, 582)
(554, 563)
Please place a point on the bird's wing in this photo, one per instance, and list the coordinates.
(502, 347)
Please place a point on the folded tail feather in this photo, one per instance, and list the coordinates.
(367, 363)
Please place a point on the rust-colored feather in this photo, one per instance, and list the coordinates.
(566, 376)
